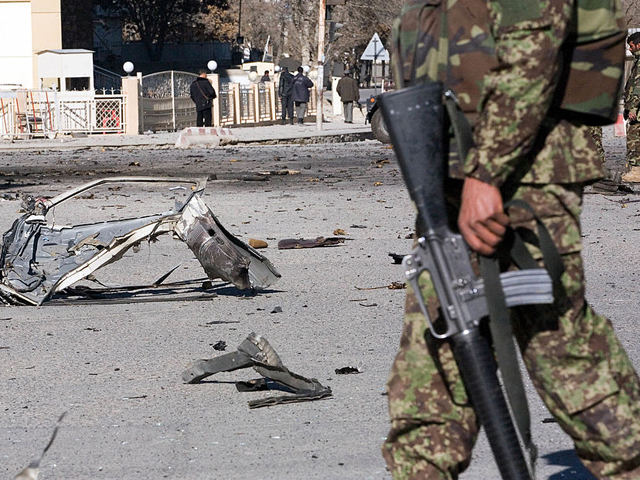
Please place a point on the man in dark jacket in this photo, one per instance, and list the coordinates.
(202, 93)
(349, 92)
(285, 92)
(301, 86)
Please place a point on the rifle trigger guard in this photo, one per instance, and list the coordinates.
(414, 264)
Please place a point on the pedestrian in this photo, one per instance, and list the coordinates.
(631, 109)
(202, 93)
(285, 92)
(301, 85)
(349, 92)
(265, 78)
(523, 150)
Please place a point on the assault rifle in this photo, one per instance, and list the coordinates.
(415, 120)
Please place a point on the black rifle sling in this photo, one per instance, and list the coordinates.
(502, 334)
(500, 321)
(460, 124)
(552, 259)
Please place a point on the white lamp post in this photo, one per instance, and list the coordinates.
(128, 67)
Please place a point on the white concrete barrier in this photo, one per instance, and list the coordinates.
(205, 136)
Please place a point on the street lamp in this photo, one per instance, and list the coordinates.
(128, 67)
(212, 65)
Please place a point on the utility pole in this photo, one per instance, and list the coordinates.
(319, 83)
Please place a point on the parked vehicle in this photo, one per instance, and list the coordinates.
(374, 117)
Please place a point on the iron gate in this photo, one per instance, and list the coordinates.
(165, 101)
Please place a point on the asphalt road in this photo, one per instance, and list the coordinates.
(115, 367)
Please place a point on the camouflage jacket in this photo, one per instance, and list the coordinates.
(518, 137)
(632, 88)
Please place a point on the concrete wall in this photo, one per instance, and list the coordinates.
(16, 46)
(46, 27)
(27, 27)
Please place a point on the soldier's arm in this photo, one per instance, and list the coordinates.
(519, 92)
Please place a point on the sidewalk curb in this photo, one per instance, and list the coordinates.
(241, 136)
(312, 139)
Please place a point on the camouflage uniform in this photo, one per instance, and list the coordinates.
(632, 104)
(596, 133)
(572, 354)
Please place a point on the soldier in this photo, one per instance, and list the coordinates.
(524, 149)
(631, 106)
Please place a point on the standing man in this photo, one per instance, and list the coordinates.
(631, 108)
(523, 149)
(349, 92)
(301, 85)
(265, 78)
(285, 92)
(202, 93)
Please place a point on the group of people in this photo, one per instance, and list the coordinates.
(293, 91)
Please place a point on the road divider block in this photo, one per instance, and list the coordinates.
(205, 136)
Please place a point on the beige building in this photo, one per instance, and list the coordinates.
(28, 27)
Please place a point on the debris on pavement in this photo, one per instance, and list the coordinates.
(256, 243)
(33, 470)
(396, 257)
(220, 346)
(291, 243)
(391, 286)
(339, 231)
(40, 258)
(348, 370)
(610, 187)
(255, 351)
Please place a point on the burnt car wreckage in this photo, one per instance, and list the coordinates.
(40, 259)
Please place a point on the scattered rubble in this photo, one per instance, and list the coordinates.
(255, 351)
(292, 243)
(33, 470)
(40, 258)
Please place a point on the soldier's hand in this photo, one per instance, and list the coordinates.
(482, 220)
(633, 116)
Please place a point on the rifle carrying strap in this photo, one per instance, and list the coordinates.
(500, 320)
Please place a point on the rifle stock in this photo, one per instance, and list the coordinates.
(415, 120)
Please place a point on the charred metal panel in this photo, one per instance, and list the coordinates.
(38, 259)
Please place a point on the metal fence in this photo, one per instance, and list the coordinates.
(166, 105)
(45, 113)
(227, 104)
(165, 101)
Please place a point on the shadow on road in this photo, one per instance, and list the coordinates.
(568, 458)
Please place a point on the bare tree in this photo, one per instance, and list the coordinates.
(292, 26)
(632, 13)
(155, 21)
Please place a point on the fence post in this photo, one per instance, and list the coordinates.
(214, 78)
(256, 102)
(131, 90)
(236, 97)
(273, 98)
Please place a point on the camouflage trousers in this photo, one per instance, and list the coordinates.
(633, 143)
(596, 133)
(573, 357)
